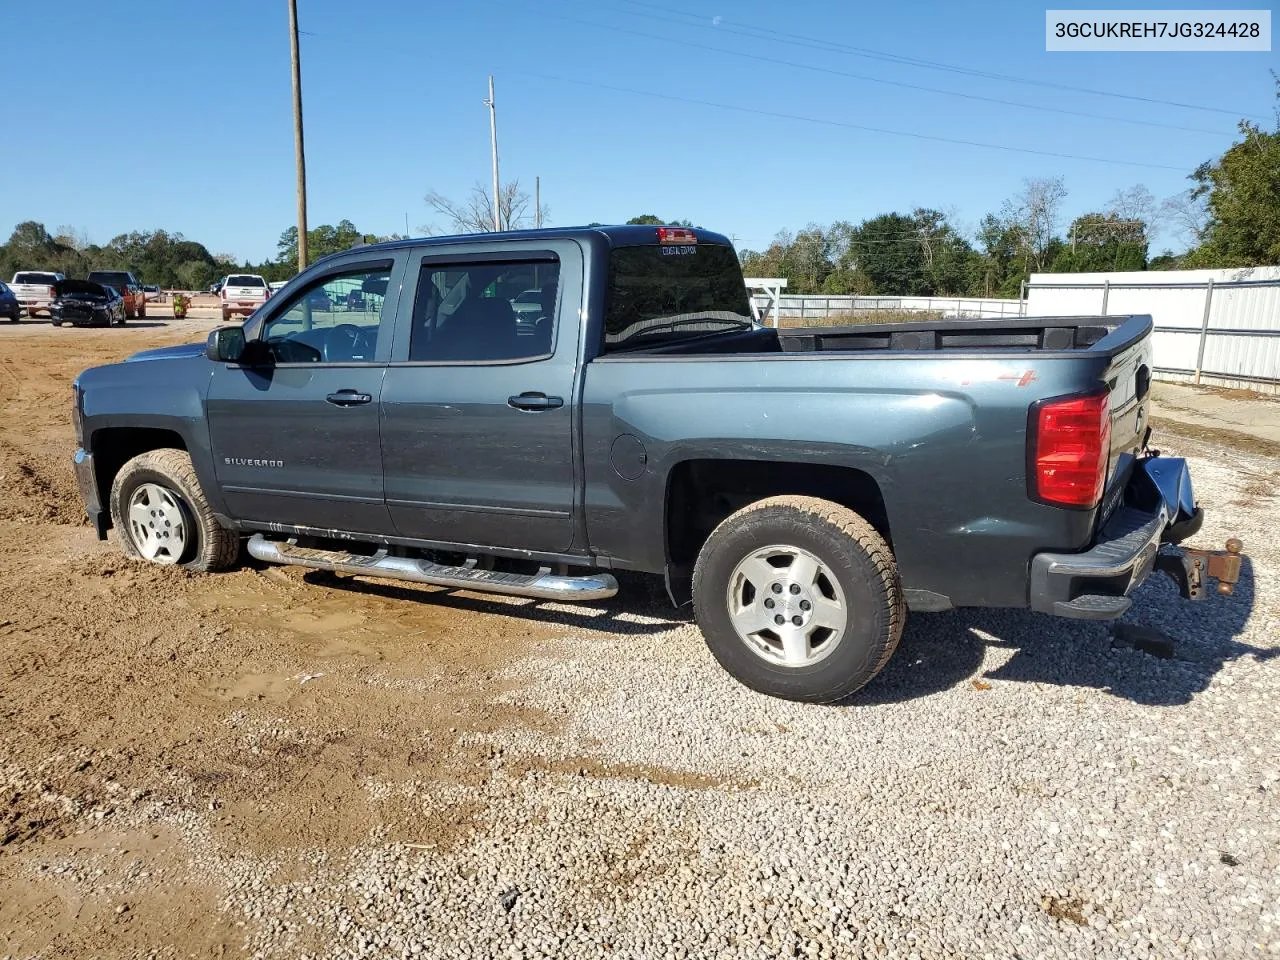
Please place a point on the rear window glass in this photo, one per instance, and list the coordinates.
(465, 312)
(34, 278)
(660, 293)
(112, 277)
(245, 281)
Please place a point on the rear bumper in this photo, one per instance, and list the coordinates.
(1159, 511)
(87, 481)
(244, 308)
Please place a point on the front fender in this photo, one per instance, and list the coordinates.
(127, 405)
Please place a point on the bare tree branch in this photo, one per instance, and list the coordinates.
(475, 213)
(1188, 211)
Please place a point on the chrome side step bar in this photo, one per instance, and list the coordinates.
(543, 585)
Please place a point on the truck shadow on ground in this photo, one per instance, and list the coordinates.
(943, 650)
(638, 596)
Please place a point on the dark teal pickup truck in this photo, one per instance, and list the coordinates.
(524, 412)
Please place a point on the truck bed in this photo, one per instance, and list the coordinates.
(1051, 335)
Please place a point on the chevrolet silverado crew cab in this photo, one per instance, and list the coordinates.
(805, 488)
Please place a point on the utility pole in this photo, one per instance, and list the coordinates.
(493, 141)
(297, 136)
(537, 202)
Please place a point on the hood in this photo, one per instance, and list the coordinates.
(80, 288)
(181, 352)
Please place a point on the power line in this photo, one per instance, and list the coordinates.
(845, 125)
(795, 39)
(872, 79)
(821, 121)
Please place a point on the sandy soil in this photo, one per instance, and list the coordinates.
(155, 726)
(261, 701)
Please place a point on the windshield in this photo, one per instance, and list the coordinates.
(246, 281)
(661, 293)
(110, 277)
(35, 278)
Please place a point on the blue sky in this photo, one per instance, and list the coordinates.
(393, 107)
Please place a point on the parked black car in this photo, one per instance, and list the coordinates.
(9, 306)
(125, 284)
(83, 303)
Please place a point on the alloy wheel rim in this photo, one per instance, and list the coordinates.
(787, 606)
(158, 523)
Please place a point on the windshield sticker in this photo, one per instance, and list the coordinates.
(678, 251)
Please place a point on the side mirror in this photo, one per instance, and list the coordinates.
(225, 345)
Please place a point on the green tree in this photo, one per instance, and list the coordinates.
(998, 270)
(649, 219)
(887, 250)
(1242, 189)
(1098, 242)
(322, 241)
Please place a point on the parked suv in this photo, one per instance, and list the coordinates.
(127, 285)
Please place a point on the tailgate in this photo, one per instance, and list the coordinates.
(246, 293)
(1128, 382)
(32, 291)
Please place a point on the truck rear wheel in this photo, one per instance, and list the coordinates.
(161, 514)
(799, 598)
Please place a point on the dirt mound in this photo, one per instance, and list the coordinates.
(36, 490)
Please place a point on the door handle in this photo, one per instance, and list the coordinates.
(348, 398)
(534, 401)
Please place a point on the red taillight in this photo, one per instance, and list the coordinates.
(222, 292)
(1070, 445)
(53, 291)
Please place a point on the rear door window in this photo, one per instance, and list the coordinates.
(485, 311)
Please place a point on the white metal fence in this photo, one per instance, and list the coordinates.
(1212, 326)
(814, 309)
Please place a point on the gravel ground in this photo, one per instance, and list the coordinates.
(272, 765)
(1011, 787)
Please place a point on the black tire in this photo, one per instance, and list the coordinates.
(142, 312)
(56, 323)
(212, 547)
(850, 550)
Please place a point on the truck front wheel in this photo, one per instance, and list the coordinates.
(799, 598)
(161, 514)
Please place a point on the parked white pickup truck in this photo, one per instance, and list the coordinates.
(35, 289)
(243, 293)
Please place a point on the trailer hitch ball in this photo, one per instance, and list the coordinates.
(1234, 545)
